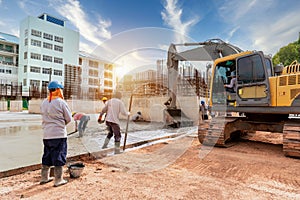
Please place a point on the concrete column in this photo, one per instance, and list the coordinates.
(16, 106)
(34, 106)
(3, 106)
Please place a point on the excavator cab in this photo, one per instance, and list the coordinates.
(251, 70)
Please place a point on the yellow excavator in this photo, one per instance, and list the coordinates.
(263, 98)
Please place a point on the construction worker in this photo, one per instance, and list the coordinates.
(55, 116)
(137, 117)
(113, 108)
(203, 110)
(83, 121)
(104, 99)
(232, 86)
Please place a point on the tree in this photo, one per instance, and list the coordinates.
(287, 54)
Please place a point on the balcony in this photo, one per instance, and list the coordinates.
(8, 63)
(8, 51)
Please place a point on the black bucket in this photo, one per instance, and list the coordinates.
(75, 169)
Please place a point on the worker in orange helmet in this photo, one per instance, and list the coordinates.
(104, 99)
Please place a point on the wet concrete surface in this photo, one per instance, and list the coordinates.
(21, 138)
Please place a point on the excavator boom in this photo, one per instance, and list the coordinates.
(209, 50)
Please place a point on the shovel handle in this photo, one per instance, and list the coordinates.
(71, 133)
(128, 118)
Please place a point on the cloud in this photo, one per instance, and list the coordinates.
(31, 6)
(265, 27)
(235, 10)
(172, 15)
(74, 12)
(231, 33)
(86, 46)
(279, 33)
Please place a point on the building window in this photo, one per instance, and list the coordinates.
(108, 74)
(35, 69)
(46, 70)
(93, 72)
(25, 68)
(47, 58)
(25, 55)
(58, 48)
(36, 33)
(45, 83)
(58, 39)
(26, 42)
(108, 67)
(24, 82)
(80, 61)
(48, 36)
(47, 45)
(93, 64)
(35, 83)
(8, 71)
(2, 71)
(9, 48)
(35, 56)
(57, 72)
(93, 81)
(58, 60)
(26, 32)
(108, 83)
(36, 43)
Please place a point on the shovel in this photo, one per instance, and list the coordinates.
(72, 133)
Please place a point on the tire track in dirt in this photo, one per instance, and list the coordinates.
(249, 162)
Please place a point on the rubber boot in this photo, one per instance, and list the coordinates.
(45, 178)
(58, 175)
(106, 141)
(117, 148)
(80, 134)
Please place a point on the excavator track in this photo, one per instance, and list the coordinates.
(291, 138)
(219, 132)
(212, 132)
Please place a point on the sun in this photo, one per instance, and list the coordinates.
(120, 71)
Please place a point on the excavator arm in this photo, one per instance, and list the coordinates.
(209, 50)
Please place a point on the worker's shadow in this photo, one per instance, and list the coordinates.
(36, 188)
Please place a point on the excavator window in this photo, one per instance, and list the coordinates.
(269, 67)
(251, 69)
(221, 77)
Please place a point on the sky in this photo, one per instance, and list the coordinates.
(133, 31)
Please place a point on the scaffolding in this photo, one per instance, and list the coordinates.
(72, 82)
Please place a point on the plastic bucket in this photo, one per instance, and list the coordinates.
(75, 169)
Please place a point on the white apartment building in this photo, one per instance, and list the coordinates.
(45, 47)
(9, 47)
(98, 79)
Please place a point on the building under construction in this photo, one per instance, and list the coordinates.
(72, 82)
(154, 82)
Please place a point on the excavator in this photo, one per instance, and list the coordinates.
(264, 98)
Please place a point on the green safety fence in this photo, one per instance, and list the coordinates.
(25, 104)
(24, 101)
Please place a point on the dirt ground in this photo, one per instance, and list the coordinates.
(173, 170)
